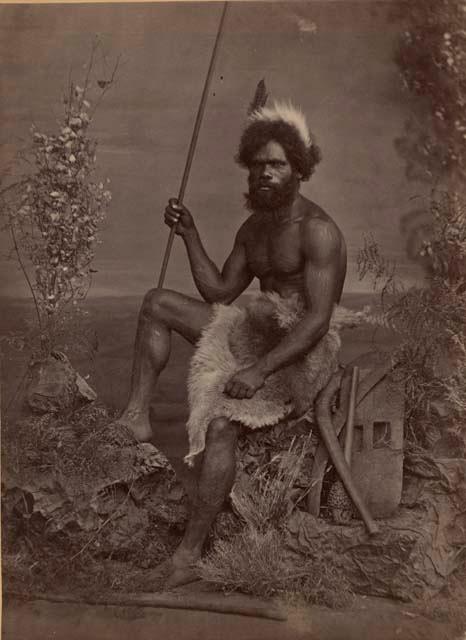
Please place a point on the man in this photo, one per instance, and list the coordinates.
(294, 249)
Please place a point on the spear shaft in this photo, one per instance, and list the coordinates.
(192, 146)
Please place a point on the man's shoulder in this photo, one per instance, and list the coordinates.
(319, 228)
(314, 217)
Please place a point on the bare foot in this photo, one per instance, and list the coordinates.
(175, 571)
(161, 572)
(136, 423)
(167, 575)
(182, 575)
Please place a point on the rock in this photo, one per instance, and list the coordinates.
(71, 475)
(56, 386)
(416, 550)
(84, 391)
(449, 445)
(127, 522)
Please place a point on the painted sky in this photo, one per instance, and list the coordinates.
(334, 59)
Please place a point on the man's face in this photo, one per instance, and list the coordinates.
(272, 182)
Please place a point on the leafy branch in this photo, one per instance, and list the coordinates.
(54, 212)
(429, 321)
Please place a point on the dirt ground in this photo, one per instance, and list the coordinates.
(368, 619)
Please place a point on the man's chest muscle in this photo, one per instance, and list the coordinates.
(277, 253)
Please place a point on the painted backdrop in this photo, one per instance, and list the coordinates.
(334, 59)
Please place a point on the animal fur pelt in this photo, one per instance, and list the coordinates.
(236, 338)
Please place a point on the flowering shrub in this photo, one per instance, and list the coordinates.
(66, 207)
(54, 213)
(430, 319)
(445, 251)
(432, 59)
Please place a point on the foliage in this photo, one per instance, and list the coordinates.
(265, 499)
(370, 261)
(431, 57)
(250, 561)
(77, 447)
(430, 321)
(75, 492)
(255, 559)
(54, 212)
(72, 330)
(255, 563)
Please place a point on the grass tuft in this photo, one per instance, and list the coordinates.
(265, 499)
(255, 560)
(256, 563)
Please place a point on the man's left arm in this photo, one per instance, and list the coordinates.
(321, 248)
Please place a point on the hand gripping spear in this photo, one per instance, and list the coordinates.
(192, 146)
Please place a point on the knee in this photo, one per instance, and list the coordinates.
(221, 429)
(155, 303)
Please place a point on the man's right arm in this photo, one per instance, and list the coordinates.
(213, 285)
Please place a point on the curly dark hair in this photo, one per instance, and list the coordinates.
(258, 133)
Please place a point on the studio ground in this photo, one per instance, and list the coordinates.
(114, 321)
(368, 619)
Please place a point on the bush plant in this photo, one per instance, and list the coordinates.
(429, 321)
(54, 212)
(431, 56)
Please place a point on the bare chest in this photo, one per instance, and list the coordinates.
(277, 253)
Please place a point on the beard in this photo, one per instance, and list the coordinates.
(277, 197)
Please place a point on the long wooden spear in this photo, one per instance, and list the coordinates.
(192, 146)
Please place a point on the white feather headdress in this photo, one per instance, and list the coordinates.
(285, 112)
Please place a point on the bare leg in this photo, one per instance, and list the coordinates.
(187, 476)
(216, 478)
(162, 311)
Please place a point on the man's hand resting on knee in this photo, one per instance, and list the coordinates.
(245, 383)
